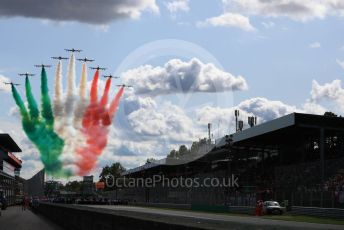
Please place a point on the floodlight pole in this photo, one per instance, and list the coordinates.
(322, 162)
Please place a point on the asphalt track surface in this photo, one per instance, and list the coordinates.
(208, 220)
(13, 218)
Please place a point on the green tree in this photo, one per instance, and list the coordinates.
(183, 150)
(150, 160)
(116, 169)
(73, 186)
(173, 154)
(194, 147)
(330, 114)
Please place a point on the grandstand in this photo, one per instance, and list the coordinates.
(297, 157)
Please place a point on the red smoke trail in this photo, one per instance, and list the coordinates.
(95, 124)
(106, 119)
(115, 102)
(105, 97)
(90, 112)
(94, 88)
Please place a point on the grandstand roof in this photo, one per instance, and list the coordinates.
(8, 143)
(286, 128)
(292, 127)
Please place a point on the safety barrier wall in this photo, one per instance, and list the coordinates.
(320, 212)
(84, 218)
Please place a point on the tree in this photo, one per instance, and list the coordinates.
(330, 114)
(73, 186)
(116, 169)
(150, 160)
(173, 154)
(183, 150)
(194, 147)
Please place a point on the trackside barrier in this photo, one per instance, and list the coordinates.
(83, 218)
(319, 212)
(162, 205)
(198, 207)
(242, 209)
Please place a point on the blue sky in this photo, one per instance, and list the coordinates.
(277, 51)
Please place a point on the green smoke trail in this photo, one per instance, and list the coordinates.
(40, 131)
(47, 111)
(20, 104)
(33, 108)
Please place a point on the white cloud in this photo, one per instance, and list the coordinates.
(223, 119)
(313, 108)
(332, 90)
(177, 76)
(315, 45)
(297, 10)
(145, 120)
(340, 63)
(175, 6)
(266, 109)
(4, 87)
(228, 20)
(168, 123)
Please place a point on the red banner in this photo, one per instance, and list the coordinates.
(10, 155)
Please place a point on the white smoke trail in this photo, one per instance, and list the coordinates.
(83, 82)
(82, 102)
(58, 108)
(68, 132)
(71, 75)
(70, 96)
(58, 82)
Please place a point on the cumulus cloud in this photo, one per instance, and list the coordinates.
(177, 76)
(332, 92)
(85, 11)
(169, 123)
(133, 103)
(315, 45)
(223, 119)
(266, 109)
(233, 20)
(297, 10)
(148, 121)
(313, 108)
(237, 13)
(175, 6)
(4, 87)
(329, 91)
